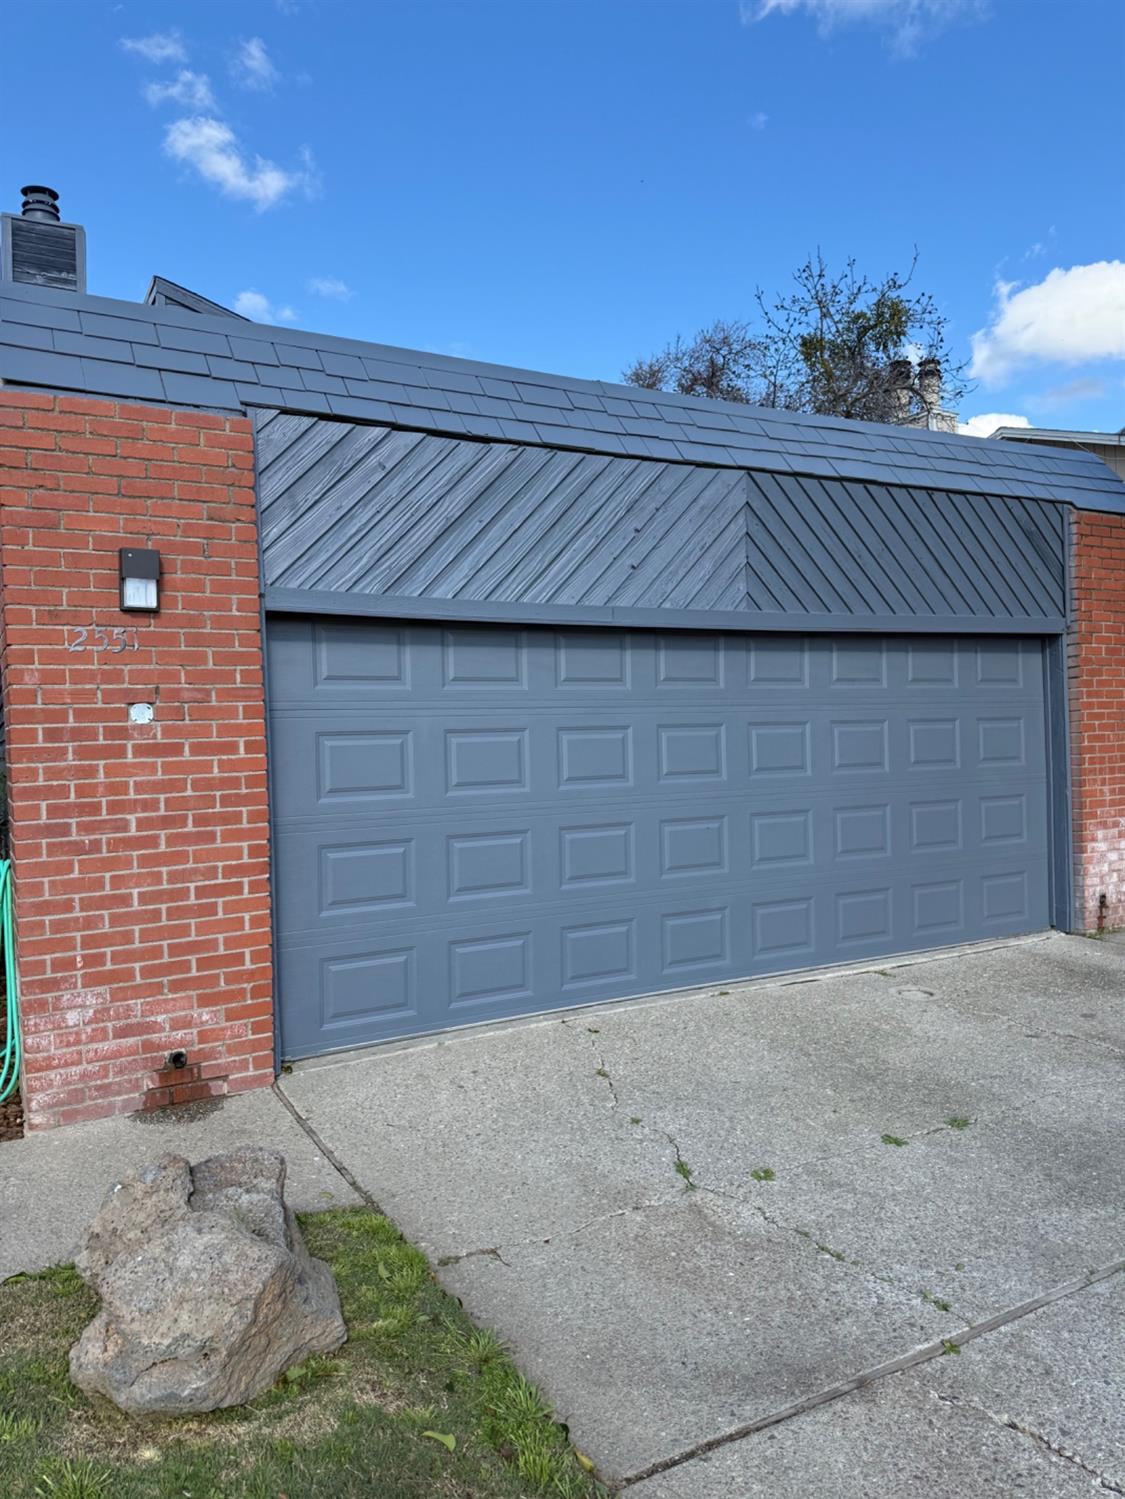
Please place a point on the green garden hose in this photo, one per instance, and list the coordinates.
(10, 1063)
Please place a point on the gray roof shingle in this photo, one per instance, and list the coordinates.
(77, 342)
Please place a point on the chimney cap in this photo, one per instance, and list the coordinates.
(40, 203)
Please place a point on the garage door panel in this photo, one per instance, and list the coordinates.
(477, 822)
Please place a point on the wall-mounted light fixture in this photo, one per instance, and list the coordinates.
(140, 580)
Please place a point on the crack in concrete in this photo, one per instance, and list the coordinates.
(922, 1355)
(681, 1167)
(922, 1294)
(556, 1236)
(602, 1069)
(1015, 1023)
(492, 1252)
(1063, 1454)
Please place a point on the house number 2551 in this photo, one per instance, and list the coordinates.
(96, 638)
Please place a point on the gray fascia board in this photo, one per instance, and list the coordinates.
(324, 601)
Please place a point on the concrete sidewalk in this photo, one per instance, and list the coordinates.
(51, 1184)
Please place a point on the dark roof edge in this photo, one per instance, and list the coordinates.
(103, 346)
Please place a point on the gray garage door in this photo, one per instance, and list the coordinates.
(481, 822)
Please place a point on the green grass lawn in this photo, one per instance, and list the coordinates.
(418, 1402)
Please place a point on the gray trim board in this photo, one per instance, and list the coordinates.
(1060, 825)
(375, 606)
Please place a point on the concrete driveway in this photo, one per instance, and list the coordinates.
(946, 1146)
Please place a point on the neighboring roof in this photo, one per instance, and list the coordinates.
(77, 342)
(1060, 436)
(164, 293)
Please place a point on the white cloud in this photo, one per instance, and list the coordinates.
(193, 90)
(1069, 317)
(758, 120)
(161, 46)
(907, 21)
(984, 426)
(252, 66)
(330, 286)
(211, 147)
(253, 304)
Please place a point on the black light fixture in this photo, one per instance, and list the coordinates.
(140, 580)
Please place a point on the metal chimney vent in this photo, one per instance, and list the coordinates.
(37, 249)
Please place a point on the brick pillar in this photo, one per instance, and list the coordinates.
(140, 851)
(1096, 669)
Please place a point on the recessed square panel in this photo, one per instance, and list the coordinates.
(1001, 741)
(691, 752)
(490, 969)
(593, 954)
(779, 659)
(863, 832)
(1000, 662)
(859, 662)
(863, 916)
(859, 744)
(783, 927)
(693, 845)
(595, 757)
(779, 749)
(935, 742)
(938, 907)
(694, 939)
(350, 654)
(935, 825)
(1003, 819)
(361, 877)
(487, 864)
(589, 658)
(593, 855)
(932, 663)
(484, 658)
(1004, 897)
(781, 837)
(363, 766)
(486, 760)
(689, 661)
(357, 989)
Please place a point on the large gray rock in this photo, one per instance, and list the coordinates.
(208, 1292)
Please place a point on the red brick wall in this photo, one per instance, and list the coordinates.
(1097, 716)
(140, 852)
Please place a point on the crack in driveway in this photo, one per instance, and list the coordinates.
(1063, 1454)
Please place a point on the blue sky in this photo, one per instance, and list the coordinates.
(565, 184)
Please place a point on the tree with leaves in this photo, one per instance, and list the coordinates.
(838, 344)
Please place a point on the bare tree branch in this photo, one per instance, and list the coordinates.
(838, 344)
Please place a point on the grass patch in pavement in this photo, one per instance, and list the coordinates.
(418, 1404)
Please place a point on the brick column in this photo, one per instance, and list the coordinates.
(1096, 669)
(140, 851)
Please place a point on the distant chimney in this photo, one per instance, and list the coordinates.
(37, 249)
(40, 203)
(901, 373)
(929, 385)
